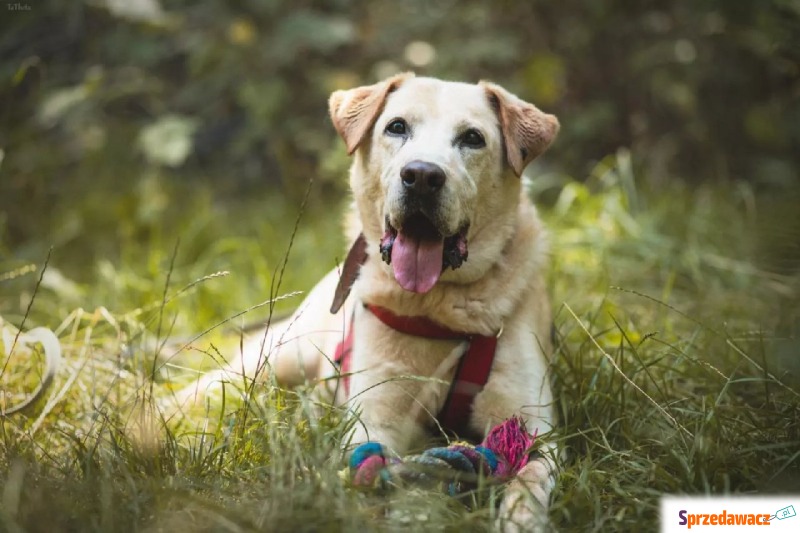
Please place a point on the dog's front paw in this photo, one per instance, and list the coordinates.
(524, 505)
(521, 513)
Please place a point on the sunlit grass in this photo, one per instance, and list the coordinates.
(672, 375)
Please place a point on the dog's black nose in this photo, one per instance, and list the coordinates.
(422, 178)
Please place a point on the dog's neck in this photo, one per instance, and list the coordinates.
(480, 306)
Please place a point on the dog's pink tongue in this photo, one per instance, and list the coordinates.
(417, 263)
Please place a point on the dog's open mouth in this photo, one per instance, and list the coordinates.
(419, 253)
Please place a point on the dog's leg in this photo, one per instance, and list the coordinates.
(252, 359)
(526, 499)
(389, 418)
(295, 349)
(396, 398)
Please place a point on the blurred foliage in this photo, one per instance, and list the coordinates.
(124, 120)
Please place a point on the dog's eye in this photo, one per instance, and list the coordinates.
(472, 138)
(397, 127)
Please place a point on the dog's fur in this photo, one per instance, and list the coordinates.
(499, 290)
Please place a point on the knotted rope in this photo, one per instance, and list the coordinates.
(456, 468)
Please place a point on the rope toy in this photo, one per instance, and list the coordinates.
(368, 466)
(455, 469)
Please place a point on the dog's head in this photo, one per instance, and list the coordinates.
(437, 165)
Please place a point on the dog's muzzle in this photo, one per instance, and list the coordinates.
(417, 248)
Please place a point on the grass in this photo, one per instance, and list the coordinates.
(676, 371)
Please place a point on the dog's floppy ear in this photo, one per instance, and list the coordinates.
(527, 131)
(354, 111)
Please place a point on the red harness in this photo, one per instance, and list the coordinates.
(471, 374)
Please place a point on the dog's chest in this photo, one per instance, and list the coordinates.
(441, 370)
(385, 358)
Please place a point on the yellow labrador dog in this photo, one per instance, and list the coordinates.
(445, 240)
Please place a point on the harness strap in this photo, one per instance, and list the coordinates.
(471, 374)
(342, 357)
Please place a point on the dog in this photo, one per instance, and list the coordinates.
(445, 237)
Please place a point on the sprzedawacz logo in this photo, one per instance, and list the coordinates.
(721, 519)
(732, 512)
